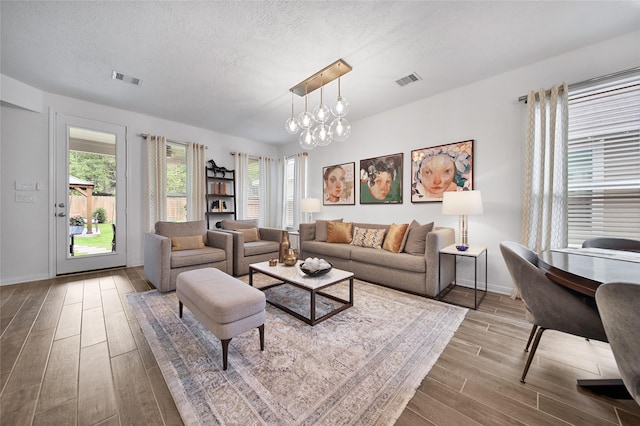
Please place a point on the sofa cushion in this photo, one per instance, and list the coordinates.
(395, 237)
(321, 249)
(250, 234)
(181, 229)
(261, 247)
(339, 232)
(197, 256)
(368, 237)
(417, 238)
(384, 258)
(187, 243)
(234, 225)
(321, 228)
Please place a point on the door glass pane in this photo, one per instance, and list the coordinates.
(92, 192)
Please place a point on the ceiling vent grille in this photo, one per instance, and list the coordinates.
(411, 78)
(127, 79)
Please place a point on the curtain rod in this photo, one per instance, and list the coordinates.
(592, 80)
(235, 153)
(145, 136)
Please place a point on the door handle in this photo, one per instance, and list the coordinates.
(61, 205)
(63, 214)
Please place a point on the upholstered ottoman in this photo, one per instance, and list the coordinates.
(225, 305)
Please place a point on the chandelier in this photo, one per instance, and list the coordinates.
(314, 127)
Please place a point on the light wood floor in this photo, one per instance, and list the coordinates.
(72, 353)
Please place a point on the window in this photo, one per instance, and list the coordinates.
(253, 196)
(176, 183)
(604, 160)
(289, 170)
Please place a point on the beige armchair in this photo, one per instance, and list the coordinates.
(177, 247)
(251, 243)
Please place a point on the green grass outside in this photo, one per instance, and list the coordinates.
(101, 240)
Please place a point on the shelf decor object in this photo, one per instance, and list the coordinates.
(462, 203)
(314, 127)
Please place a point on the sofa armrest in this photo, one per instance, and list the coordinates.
(307, 232)
(438, 239)
(270, 234)
(157, 260)
(223, 240)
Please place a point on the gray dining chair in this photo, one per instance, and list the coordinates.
(618, 305)
(625, 244)
(549, 306)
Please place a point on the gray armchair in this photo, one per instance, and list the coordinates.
(251, 243)
(549, 305)
(618, 305)
(175, 247)
(625, 244)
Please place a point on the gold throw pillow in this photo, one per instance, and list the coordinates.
(339, 232)
(187, 243)
(393, 241)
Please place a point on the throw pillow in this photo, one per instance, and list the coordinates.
(321, 229)
(371, 238)
(234, 225)
(395, 237)
(417, 238)
(250, 234)
(187, 243)
(339, 232)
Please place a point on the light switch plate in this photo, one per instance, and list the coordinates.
(25, 198)
(25, 185)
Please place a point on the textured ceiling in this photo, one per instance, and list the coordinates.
(228, 65)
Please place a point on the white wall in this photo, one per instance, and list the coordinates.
(489, 113)
(26, 229)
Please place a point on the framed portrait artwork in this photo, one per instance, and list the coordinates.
(338, 184)
(439, 169)
(381, 180)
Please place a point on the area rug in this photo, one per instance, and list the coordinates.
(361, 366)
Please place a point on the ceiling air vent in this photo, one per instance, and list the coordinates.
(411, 78)
(127, 79)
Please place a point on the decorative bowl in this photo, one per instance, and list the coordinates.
(462, 248)
(315, 273)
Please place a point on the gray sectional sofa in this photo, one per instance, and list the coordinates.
(414, 273)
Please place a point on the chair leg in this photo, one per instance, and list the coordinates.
(533, 331)
(225, 352)
(532, 353)
(261, 330)
(180, 308)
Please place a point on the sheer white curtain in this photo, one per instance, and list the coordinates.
(267, 192)
(299, 186)
(241, 163)
(544, 220)
(156, 181)
(196, 189)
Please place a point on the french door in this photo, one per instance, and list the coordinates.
(90, 194)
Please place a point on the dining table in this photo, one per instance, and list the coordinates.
(583, 270)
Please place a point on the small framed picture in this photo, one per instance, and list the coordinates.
(439, 169)
(381, 180)
(338, 184)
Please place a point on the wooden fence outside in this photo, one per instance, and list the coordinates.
(176, 211)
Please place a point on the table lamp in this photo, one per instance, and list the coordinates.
(462, 203)
(310, 205)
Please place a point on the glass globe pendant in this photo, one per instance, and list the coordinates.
(340, 129)
(291, 125)
(306, 140)
(321, 135)
(305, 119)
(321, 112)
(341, 108)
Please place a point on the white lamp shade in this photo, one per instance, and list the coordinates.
(310, 205)
(462, 203)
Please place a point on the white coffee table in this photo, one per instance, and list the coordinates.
(294, 276)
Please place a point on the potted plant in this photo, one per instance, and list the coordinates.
(76, 224)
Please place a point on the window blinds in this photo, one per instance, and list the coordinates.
(604, 160)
